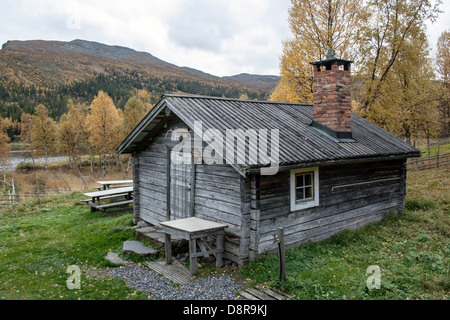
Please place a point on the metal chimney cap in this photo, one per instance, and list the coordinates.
(330, 54)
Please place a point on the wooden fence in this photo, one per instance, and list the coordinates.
(9, 193)
(424, 163)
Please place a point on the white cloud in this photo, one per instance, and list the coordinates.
(215, 36)
(218, 37)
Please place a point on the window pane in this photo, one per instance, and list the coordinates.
(308, 179)
(308, 192)
(299, 180)
(299, 194)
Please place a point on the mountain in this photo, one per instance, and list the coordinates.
(51, 72)
(263, 82)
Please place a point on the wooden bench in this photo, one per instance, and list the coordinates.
(106, 185)
(96, 197)
(111, 187)
(103, 207)
(107, 197)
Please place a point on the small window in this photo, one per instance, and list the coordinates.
(304, 188)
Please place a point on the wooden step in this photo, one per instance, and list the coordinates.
(172, 271)
(261, 293)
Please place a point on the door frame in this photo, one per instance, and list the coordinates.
(169, 185)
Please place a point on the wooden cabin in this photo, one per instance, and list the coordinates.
(330, 170)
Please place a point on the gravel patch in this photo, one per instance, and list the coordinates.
(216, 287)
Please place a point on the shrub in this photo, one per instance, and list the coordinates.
(24, 167)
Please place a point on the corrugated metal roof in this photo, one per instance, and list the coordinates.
(299, 142)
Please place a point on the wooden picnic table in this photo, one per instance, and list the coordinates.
(107, 184)
(97, 196)
(193, 229)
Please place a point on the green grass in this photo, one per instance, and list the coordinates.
(444, 148)
(40, 240)
(413, 264)
(411, 250)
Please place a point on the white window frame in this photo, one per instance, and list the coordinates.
(300, 205)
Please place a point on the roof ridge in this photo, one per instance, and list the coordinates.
(187, 96)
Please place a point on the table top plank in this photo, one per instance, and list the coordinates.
(193, 225)
(108, 192)
(114, 182)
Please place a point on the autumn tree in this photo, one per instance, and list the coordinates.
(316, 26)
(26, 127)
(79, 115)
(43, 133)
(386, 39)
(443, 69)
(70, 135)
(408, 95)
(68, 132)
(105, 122)
(133, 112)
(387, 35)
(4, 143)
(145, 98)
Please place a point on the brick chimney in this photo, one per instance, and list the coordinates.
(332, 96)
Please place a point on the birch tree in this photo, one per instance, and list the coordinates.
(26, 126)
(43, 133)
(145, 98)
(387, 36)
(105, 122)
(316, 25)
(443, 69)
(4, 143)
(70, 137)
(78, 116)
(134, 111)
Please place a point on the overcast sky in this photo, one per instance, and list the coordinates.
(221, 37)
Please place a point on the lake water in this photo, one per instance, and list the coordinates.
(19, 156)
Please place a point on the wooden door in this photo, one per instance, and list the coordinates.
(180, 190)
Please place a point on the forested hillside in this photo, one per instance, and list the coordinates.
(52, 72)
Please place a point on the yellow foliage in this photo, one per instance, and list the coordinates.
(26, 126)
(443, 56)
(44, 131)
(443, 68)
(104, 124)
(4, 141)
(316, 25)
(283, 93)
(134, 111)
(144, 97)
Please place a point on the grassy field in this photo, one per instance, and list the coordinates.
(40, 240)
(411, 251)
(443, 148)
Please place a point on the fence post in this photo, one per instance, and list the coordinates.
(13, 190)
(438, 147)
(279, 238)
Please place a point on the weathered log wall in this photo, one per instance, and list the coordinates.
(350, 196)
(219, 192)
